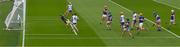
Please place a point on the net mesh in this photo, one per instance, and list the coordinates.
(15, 18)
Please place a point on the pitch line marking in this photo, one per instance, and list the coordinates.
(46, 34)
(166, 4)
(147, 19)
(97, 38)
(24, 25)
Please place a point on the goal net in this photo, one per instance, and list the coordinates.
(15, 18)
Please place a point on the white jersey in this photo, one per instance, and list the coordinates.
(74, 19)
(70, 7)
(134, 16)
(122, 18)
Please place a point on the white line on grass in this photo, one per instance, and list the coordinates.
(166, 4)
(24, 25)
(146, 19)
(95, 38)
(47, 34)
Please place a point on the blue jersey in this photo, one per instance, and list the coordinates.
(172, 17)
(109, 18)
(141, 19)
(158, 18)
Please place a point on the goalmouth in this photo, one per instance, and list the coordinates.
(15, 18)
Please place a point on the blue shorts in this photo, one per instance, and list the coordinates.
(134, 21)
(70, 11)
(74, 23)
(122, 23)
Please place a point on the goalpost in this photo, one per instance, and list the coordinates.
(15, 18)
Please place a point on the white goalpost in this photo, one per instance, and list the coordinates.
(15, 18)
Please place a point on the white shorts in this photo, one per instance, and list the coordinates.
(158, 20)
(104, 15)
(140, 24)
(171, 20)
(108, 22)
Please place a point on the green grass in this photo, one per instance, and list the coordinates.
(93, 18)
(147, 8)
(7, 38)
(171, 3)
(45, 29)
(43, 18)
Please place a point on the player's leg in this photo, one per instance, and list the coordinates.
(103, 19)
(122, 26)
(123, 31)
(174, 22)
(134, 24)
(108, 25)
(128, 31)
(158, 26)
(141, 26)
(68, 22)
(74, 25)
(130, 34)
(66, 13)
(69, 12)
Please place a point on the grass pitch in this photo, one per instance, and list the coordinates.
(45, 29)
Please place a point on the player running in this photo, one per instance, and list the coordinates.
(134, 18)
(158, 22)
(109, 21)
(69, 9)
(141, 21)
(105, 15)
(122, 20)
(74, 21)
(172, 20)
(127, 28)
